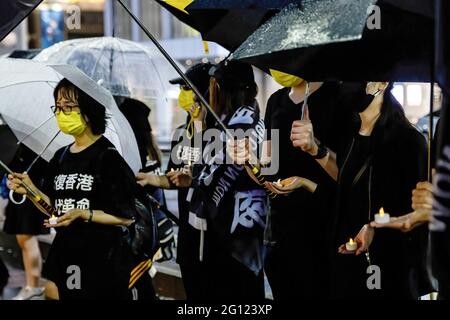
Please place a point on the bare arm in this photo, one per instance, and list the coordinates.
(154, 180)
(328, 163)
(96, 216)
(302, 136)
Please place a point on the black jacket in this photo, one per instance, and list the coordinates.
(396, 162)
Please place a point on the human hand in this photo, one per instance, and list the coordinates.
(67, 218)
(241, 152)
(422, 196)
(285, 186)
(363, 239)
(302, 136)
(17, 180)
(406, 222)
(180, 179)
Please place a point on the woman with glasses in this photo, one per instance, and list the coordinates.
(92, 188)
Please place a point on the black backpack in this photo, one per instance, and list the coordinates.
(143, 233)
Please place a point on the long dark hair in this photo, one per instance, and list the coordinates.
(392, 117)
(236, 86)
(93, 112)
(231, 98)
(137, 114)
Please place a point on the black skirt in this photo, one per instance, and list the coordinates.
(24, 219)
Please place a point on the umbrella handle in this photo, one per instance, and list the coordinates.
(11, 197)
(256, 170)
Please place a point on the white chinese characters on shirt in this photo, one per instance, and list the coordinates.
(188, 154)
(75, 181)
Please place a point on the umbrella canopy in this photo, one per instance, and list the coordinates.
(228, 27)
(12, 12)
(26, 91)
(240, 4)
(125, 68)
(315, 43)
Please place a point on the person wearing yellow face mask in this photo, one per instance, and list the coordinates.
(298, 208)
(93, 190)
(184, 153)
(284, 79)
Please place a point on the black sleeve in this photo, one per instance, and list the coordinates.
(414, 169)
(268, 118)
(118, 185)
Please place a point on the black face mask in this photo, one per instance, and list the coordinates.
(365, 101)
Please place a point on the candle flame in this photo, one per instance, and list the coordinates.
(350, 241)
(381, 212)
(53, 217)
(279, 181)
(171, 170)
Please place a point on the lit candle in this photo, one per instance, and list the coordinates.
(171, 170)
(53, 220)
(382, 217)
(351, 245)
(278, 183)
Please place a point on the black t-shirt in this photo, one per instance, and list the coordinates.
(84, 181)
(184, 151)
(301, 208)
(96, 178)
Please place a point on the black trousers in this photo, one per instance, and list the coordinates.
(220, 278)
(295, 272)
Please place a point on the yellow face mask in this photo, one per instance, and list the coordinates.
(186, 101)
(285, 79)
(72, 123)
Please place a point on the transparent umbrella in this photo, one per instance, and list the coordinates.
(26, 95)
(124, 67)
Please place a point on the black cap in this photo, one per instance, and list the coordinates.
(233, 74)
(198, 75)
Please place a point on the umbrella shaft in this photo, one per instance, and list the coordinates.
(175, 66)
(186, 79)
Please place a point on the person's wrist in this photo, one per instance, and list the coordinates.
(83, 215)
(314, 150)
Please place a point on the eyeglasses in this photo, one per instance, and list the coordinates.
(66, 109)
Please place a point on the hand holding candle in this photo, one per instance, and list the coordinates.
(53, 220)
(279, 183)
(351, 245)
(382, 217)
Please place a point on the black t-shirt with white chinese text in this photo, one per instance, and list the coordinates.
(96, 178)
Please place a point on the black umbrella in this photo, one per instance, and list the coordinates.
(330, 40)
(227, 27)
(12, 12)
(240, 4)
